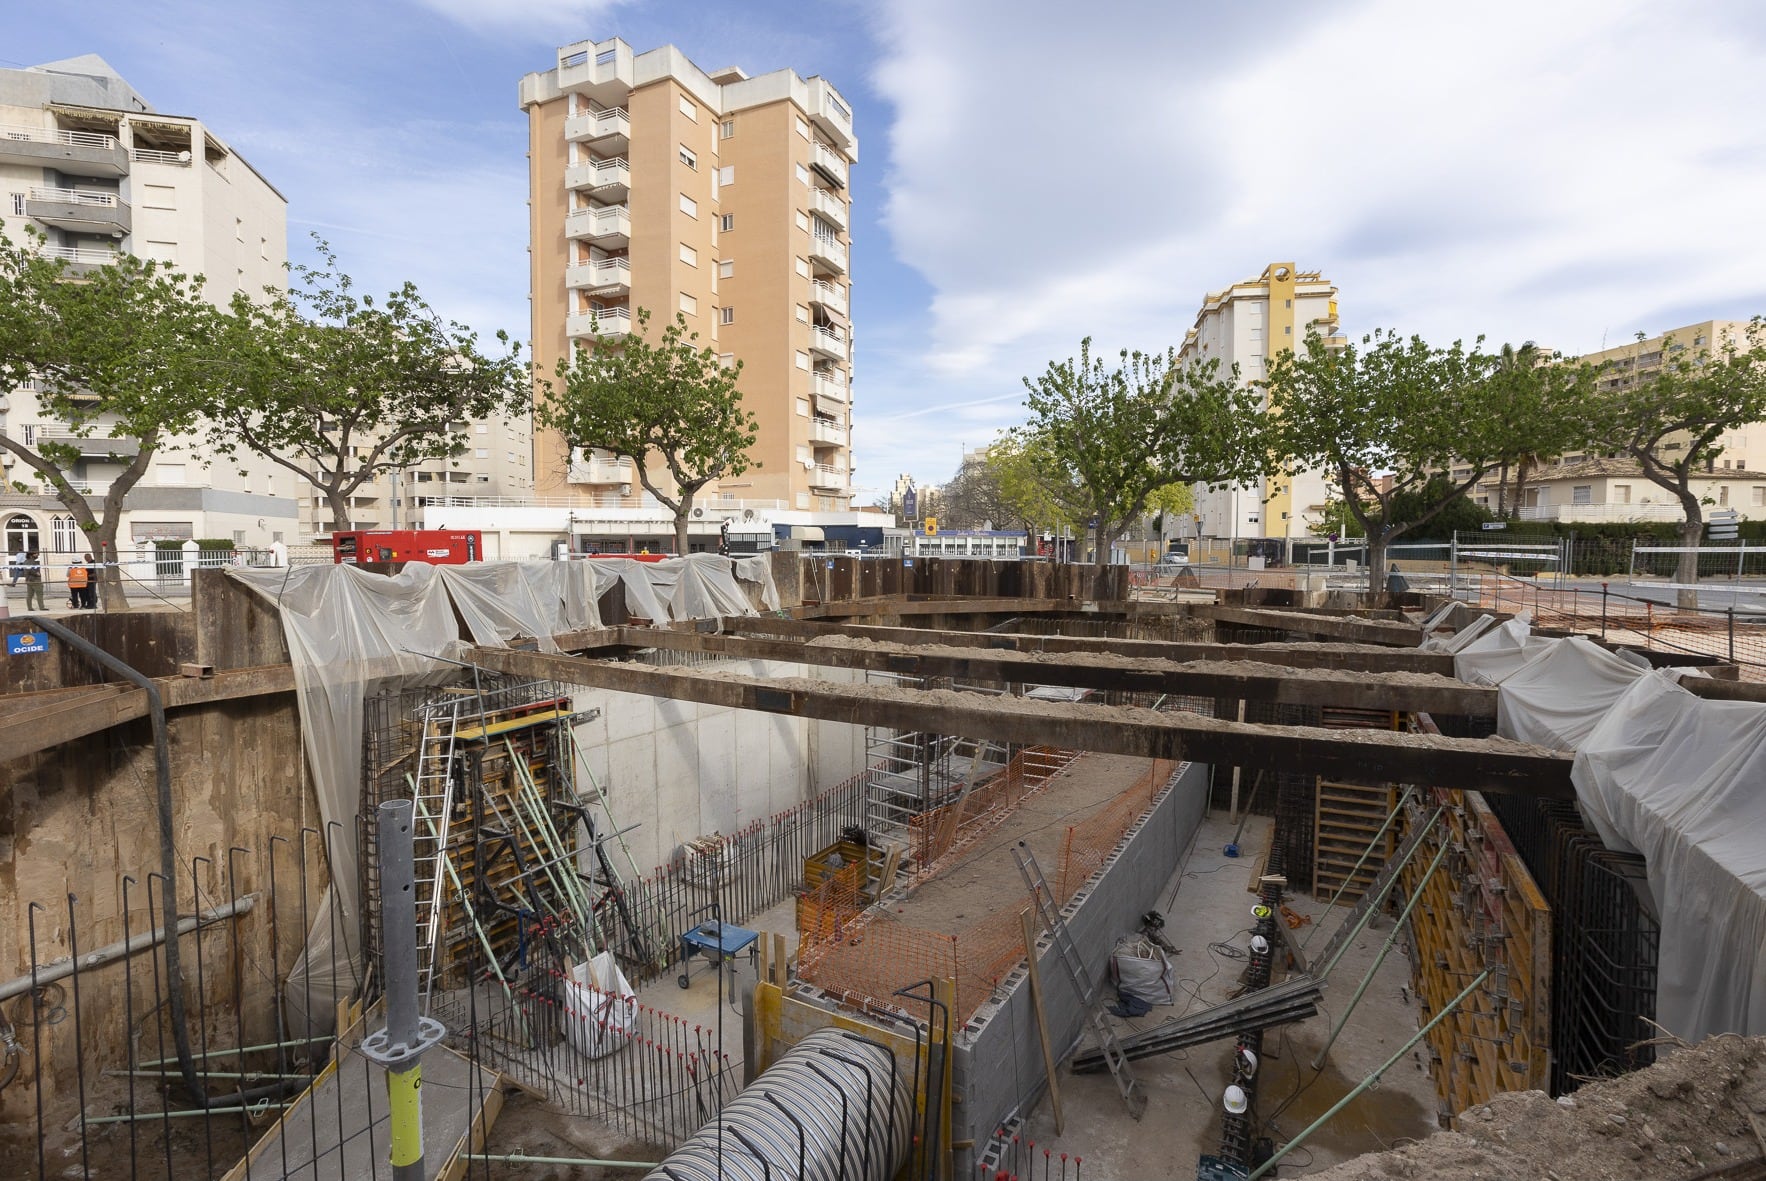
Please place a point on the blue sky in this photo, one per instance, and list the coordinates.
(1034, 172)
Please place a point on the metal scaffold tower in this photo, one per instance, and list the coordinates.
(910, 772)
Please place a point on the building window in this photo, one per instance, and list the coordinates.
(689, 304)
(803, 360)
(802, 453)
(1582, 494)
(688, 109)
(802, 174)
(27, 434)
(1621, 494)
(64, 535)
(1723, 494)
(803, 267)
(727, 222)
(726, 315)
(689, 255)
(479, 428)
(689, 158)
(727, 129)
(689, 206)
(803, 412)
(802, 314)
(726, 175)
(803, 221)
(725, 268)
(482, 452)
(803, 500)
(803, 127)
(1759, 495)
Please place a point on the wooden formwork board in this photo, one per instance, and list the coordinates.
(1347, 819)
(1480, 910)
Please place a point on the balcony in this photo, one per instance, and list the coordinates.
(828, 252)
(823, 476)
(601, 71)
(84, 153)
(605, 323)
(603, 276)
(830, 385)
(80, 259)
(609, 180)
(829, 163)
(828, 342)
(601, 470)
(609, 130)
(79, 210)
(827, 430)
(607, 226)
(99, 447)
(828, 205)
(831, 113)
(160, 156)
(828, 295)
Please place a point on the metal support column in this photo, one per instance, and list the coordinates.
(399, 1046)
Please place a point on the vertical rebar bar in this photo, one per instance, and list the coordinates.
(208, 1126)
(73, 939)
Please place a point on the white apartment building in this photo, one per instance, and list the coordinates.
(1244, 325)
(495, 470)
(87, 162)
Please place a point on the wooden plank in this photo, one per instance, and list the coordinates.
(1348, 755)
(1359, 631)
(1042, 1020)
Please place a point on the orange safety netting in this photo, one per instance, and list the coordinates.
(935, 835)
(866, 953)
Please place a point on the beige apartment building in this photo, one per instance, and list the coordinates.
(1244, 325)
(657, 185)
(90, 165)
(1590, 488)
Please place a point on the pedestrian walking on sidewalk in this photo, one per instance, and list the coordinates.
(34, 582)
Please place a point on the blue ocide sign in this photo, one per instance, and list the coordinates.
(24, 643)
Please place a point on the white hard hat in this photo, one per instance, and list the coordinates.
(1248, 1061)
(1259, 944)
(1235, 1100)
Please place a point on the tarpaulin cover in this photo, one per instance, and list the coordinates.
(352, 634)
(1679, 779)
(1559, 695)
(1667, 775)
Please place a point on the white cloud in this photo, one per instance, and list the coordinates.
(1565, 172)
(526, 16)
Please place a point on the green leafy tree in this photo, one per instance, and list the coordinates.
(1672, 421)
(666, 400)
(1106, 438)
(342, 388)
(120, 352)
(1400, 406)
(1030, 484)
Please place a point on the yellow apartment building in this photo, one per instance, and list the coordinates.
(657, 185)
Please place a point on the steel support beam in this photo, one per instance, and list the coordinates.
(965, 661)
(1355, 756)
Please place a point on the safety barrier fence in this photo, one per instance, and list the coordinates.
(743, 874)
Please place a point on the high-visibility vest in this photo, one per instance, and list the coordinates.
(77, 577)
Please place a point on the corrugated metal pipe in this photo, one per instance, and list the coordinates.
(833, 1108)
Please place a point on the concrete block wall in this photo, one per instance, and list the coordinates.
(998, 1050)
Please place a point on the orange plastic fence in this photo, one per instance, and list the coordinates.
(936, 835)
(866, 954)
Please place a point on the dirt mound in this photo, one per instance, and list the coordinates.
(1696, 1109)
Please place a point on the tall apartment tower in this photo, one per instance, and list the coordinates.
(1244, 325)
(89, 165)
(656, 185)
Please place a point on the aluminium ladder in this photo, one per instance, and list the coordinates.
(1133, 1095)
(433, 794)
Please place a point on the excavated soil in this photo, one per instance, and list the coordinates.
(1698, 1109)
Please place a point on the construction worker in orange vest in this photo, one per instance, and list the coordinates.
(79, 578)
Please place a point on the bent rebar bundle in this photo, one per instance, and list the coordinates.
(834, 1107)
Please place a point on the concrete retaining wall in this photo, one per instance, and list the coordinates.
(998, 1051)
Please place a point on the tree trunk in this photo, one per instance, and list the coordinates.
(1502, 493)
(1520, 487)
(340, 510)
(1686, 569)
(682, 515)
(1378, 595)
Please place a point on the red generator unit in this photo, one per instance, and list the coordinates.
(439, 547)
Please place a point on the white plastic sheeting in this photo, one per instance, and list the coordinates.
(1679, 779)
(353, 634)
(1668, 775)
